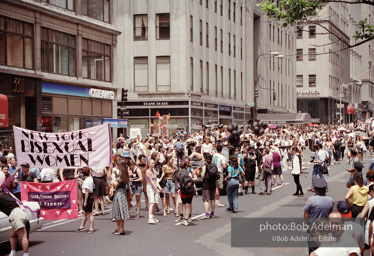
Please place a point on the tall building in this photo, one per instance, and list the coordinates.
(194, 60)
(322, 66)
(57, 63)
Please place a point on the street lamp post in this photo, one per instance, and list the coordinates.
(255, 79)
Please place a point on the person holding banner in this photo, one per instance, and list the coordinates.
(17, 219)
(87, 188)
(120, 210)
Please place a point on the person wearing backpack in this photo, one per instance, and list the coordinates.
(234, 171)
(187, 189)
(209, 174)
(250, 169)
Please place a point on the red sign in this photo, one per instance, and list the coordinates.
(4, 112)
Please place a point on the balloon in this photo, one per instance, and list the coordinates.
(235, 126)
(255, 124)
(260, 123)
(261, 131)
(2, 178)
(229, 128)
(350, 109)
(240, 132)
(256, 130)
(265, 126)
(235, 133)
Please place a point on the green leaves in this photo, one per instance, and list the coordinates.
(364, 30)
(291, 11)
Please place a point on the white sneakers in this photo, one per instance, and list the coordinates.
(151, 221)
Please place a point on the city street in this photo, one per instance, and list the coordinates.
(209, 237)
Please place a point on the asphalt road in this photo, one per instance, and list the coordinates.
(203, 237)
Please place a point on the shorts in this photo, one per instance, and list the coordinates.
(136, 188)
(209, 195)
(277, 171)
(187, 200)
(99, 189)
(17, 218)
(90, 201)
(219, 182)
(250, 173)
(153, 196)
(169, 187)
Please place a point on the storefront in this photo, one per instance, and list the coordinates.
(24, 104)
(149, 114)
(71, 107)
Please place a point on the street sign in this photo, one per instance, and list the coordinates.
(340, 105)
(341, 95)
(251, 104)
(338, 113)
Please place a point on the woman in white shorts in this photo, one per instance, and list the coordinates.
(153, 191)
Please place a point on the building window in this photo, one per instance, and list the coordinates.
(16, 43)
(215, 39)
(299, 54)
(221, 89)
(229, 83)
(207, 4)
(221, 7)
(221, 41)
(58, 52)
(140, 27)
(241, 48)
(234, 50)
(234, 12)
(299, 81)
(312, 54)
(312, 80)
(229, 9)
(241, 16)
(241, 86)
(66, 4)
(163, 74)
(201, 32)
(229, 45)
(97, 9)
(299, 32)
(201, 77)
(207, 35)
(215, 6)
(191, 29)
(235, 88)
(201, 2)
(163, 26)
(207, 79)
(216, 78)
(191, 74)
(96, 60)
(312, 31)
(141, 74)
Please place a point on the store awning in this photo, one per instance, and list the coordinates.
(288, 118)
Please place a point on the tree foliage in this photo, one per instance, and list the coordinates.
(293, 12)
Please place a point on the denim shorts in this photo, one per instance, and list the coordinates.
(136, 188)
(169, 187)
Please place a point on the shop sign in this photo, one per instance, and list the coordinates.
(137, 126)
(116, 123)
(101, 94)
(308, 93)
(4, 114)
(210, 105)
(18, 85)
(225, 108)
(197, 104)
(155, 103)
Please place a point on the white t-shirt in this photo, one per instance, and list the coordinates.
(47, 174)
(219, 160)
(141, 149)
(97, 172)
(89, 184)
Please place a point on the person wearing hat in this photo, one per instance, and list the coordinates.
(357, 169)
(25, 174)
(344, 209)
(318, 206)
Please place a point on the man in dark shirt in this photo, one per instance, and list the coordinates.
(209, 189)
(27, 176)
(17, 219)
(10, 182)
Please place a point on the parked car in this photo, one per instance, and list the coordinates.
(32, 225)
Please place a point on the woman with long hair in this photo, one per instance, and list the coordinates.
(169, 188)
(357, 195)
(232, 179)
(153, 191)
(136, 185)
(120, 210)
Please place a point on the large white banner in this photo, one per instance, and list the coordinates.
(88, 147)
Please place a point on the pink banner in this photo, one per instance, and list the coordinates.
(57, 200)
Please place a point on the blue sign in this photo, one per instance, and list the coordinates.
(225, 108)
(65, 89)
(116, 123)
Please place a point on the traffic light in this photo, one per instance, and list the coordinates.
(124, 95)
(256, 93)
(336, 106)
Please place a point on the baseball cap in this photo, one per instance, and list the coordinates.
(359, 166)
(220, 126)
(25, 165)
(125, 154)
(344, 209)
(319, 183)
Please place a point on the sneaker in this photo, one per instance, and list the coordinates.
(179, 220)
(261, 193)
(220, 205)
(151, 221)
(156, 220)
(235, 211)
(229, 209)
(185, 222)
(189, 220)
(205, 217)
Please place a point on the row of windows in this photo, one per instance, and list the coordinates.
(97, 9)
(280, 95)
(334, 82)
(312, 54)
(279, 32)
(162, 26)
(311, 80)
(311, 31)
(279, 69)
(58, 51)
(234, 9)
